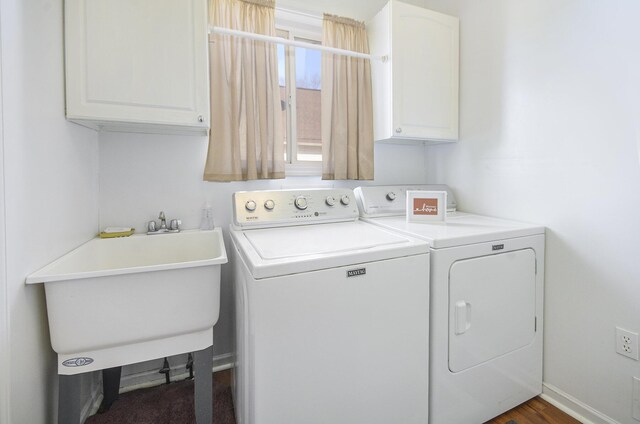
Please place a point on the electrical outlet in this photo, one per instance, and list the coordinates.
(627, 343)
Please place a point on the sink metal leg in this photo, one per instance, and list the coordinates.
(110, 387)
(69, 399)
(203, 363)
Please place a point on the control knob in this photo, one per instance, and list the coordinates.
(345, 200)
(301, 203)
(250, 205)
(330, 200)
(391, 196)
(269, 205)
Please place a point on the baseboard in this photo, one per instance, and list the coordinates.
(572, 406)
(178, 372)
(224, 362)
(93, 403)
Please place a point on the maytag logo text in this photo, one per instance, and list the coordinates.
(356, 272)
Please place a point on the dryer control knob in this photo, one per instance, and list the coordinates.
(250, 205)
(345, 200)
(330, 200)
(391, 196)
(301, 203)
(269, 205)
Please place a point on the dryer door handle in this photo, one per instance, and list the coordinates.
(463, 316)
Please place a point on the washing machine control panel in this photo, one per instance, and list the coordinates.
(392, 200)
(271, 208)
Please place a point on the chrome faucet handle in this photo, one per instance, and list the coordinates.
(163, 221)
(151, 227)
(174, 225)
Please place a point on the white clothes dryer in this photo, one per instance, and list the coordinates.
(331, 313)
(486, 322)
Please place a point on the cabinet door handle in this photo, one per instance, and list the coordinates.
(398, 130)
(200, 118)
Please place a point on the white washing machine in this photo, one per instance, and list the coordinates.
(331, 313)
(486, 305)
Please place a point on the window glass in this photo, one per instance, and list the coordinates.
(299, 77)
(282, 80)
(308, 90)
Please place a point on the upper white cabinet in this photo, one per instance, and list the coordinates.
(415, 92)
(137, 65)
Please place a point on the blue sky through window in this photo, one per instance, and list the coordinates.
(307, 67)
(281, 70)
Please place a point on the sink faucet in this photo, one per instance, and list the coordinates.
(174, 225)
(163, 221)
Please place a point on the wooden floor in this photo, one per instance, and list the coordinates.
(536, 411)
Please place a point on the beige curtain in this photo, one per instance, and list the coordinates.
(245, 142)
(347, 111)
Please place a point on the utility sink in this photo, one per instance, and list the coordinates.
(118, 301)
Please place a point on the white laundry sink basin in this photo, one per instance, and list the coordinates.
(113, 302)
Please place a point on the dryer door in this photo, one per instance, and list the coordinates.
(491, 307)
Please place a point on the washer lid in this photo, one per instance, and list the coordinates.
(460, 229)
(271, 252)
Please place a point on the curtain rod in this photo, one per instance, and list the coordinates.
(287, 42)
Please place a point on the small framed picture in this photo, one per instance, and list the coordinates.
(426, 206)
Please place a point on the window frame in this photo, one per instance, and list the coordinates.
(296, 25)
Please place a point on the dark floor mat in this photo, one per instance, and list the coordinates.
(166, 404)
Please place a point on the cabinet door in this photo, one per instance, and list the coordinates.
(137, 62)
(425, 73)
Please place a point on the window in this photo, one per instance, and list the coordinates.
(299, 73)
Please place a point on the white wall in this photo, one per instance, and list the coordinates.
(550, 133)
(355, 9)
(51, 193)
(4, 313)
